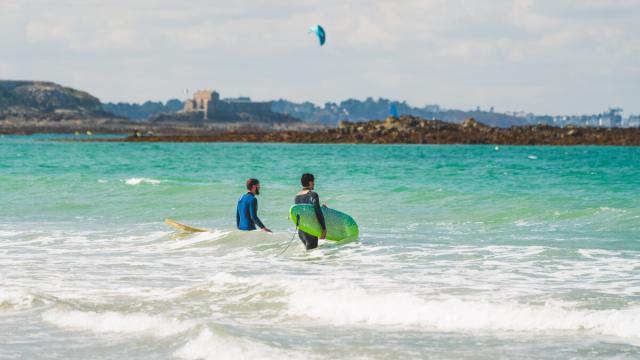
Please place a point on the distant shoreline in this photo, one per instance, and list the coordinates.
(407, 130)
(125, 127)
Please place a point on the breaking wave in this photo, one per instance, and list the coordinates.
(115, 322)
(208, 345)
(353, 306)
(15, 299)
(138, 181)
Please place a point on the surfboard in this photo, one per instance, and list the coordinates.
(182, 227)
(340, 226)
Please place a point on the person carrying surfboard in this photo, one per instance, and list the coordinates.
(308, 196)
(247, 209)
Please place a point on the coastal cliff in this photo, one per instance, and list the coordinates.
(28, 107)
(45, 100)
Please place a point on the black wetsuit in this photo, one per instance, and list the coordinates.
(311, 197)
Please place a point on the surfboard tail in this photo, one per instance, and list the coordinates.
(182, 227)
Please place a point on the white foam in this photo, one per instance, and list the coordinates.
(352, 306)
(224, 278)
(138, 181)
(596, 253)
(114, 322)
(609, 209)
(532, 157)
(9, 233)
(207, 346)
(196, 239)
(15, 299)
(522, 223)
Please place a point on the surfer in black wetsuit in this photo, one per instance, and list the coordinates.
(308, 196)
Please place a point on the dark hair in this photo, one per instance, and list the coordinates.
(252, 182)
(306, 179)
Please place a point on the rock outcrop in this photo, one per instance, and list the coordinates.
(413, 130)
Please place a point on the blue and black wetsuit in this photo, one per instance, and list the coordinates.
(311, 197)
(247, 213)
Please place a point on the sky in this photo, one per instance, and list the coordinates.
(546, 57)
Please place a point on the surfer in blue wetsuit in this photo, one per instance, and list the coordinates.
(308, 196)
(247, 210)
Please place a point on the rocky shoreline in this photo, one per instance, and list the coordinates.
(123, 127)
(414, 130)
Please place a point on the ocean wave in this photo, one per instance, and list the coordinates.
(340, 303)
(138, 181)
(114, 322)
(352, 306)
(10, 233)
(208, 345)
(611, 209)
(15, 299)
(194, 240)
(225, 279)
(225, 288)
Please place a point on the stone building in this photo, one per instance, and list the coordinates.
(213, 108)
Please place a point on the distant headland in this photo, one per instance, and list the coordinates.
(28, 107)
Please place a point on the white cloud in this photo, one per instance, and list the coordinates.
(5, 69)
(561, 56)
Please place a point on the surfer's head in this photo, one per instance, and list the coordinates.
(307, 180)
(253, 185)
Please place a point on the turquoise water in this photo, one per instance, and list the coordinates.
(464, 252)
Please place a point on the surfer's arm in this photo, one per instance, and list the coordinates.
(253, 212)
(316, 206)
(237, 218)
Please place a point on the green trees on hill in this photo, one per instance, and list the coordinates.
(143, 111)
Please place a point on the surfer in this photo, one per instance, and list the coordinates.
(247, 210)
(308, 196)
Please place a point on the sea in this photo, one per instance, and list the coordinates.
(465, 252)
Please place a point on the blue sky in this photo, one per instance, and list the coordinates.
(559, 57)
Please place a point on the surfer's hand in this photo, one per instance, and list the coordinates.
(323, 235)
(324, 205)
(265, 229)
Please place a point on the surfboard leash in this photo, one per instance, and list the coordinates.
(294, 235)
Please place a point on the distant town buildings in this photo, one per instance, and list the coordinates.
(611, 118)
(633, 121)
